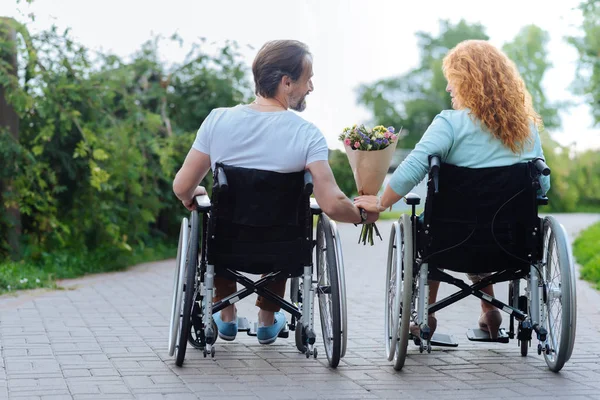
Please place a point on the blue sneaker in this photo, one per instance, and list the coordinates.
(268, 334)
(227, 330)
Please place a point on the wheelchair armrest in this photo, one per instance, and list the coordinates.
(542, 200)
(412, 199)
(203, 203)
(314, 206)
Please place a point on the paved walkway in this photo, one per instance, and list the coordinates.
(105, 337)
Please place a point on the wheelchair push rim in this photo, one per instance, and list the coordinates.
(189, 291)
(342, 286)
(328, 292)
(405, 306)
(179, 277)
(559, 309)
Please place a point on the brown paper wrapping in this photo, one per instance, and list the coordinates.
(370, 167)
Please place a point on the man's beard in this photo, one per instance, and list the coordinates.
(299, 105)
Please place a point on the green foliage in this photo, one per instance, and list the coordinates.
(412, 100)
(100, 141)
(586, 249)
(46, 267)
(338, 161)
(587, 81)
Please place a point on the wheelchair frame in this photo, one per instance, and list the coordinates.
(192, 310)
(407, 284)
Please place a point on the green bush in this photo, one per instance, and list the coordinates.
(100, 140)
(586, 249)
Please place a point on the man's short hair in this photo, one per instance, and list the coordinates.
(276, 59)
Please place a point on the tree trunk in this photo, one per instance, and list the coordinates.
(9, 121)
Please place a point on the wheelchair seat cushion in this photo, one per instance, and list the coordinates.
(481, 220)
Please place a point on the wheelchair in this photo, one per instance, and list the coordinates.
(259, 222)
(475, 221)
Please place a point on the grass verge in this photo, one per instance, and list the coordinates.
(47, 268)
(586, 250)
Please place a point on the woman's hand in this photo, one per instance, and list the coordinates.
(191, 203)
(369, 203)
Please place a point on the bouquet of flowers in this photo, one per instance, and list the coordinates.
(370, 153)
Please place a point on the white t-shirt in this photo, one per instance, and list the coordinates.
(278, 141)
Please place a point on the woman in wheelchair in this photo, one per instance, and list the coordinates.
(492, 124)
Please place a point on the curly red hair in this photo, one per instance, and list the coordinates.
(488, 83)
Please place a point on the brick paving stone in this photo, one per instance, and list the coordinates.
(106, 339)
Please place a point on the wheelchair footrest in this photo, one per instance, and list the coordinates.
(439, 339)
(478, 335)
(243, 324)
(253, 327)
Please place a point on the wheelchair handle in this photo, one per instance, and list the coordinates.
(540, 164)
(222, 179)
(434, 170)
(308, 183)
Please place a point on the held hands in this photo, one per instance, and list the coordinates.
(191, 203)
(372, 204)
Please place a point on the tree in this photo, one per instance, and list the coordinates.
(528, 51)
(587, 82)
(412, 100)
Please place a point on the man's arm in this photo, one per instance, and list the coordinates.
(194, 169)
(331, 199)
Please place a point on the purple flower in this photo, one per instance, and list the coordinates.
(391, 129)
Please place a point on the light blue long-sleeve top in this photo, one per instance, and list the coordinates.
(461, 140)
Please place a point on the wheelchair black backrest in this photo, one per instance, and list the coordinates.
(260, 220)
(482, 220)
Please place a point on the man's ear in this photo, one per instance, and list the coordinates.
(286, 82)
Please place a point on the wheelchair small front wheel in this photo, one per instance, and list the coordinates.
(300, 338)
(559, 311)
(328, 292)
(191, 268)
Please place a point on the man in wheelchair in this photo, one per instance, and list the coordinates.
(260, 219)
(486, 179)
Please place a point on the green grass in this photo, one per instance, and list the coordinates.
(43, 270)
(586, 249)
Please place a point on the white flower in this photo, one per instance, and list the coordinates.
(24, 280)
(8, 287)
(37, 280)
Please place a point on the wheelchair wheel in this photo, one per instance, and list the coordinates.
(559, 310)
(328, 292)
(178, 284)
(189, 290)
(404, 279)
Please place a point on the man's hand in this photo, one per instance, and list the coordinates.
(371, 217)
(191, 203)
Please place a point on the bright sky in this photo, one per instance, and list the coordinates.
(353, 42)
